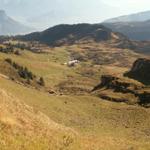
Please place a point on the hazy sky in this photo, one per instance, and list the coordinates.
(44, 13)
(129, 6)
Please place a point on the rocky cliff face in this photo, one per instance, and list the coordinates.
(140, 71)
(141, 64)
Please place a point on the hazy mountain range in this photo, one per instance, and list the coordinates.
(135, 26)
(133, 30)
(137, 17)
(9, 26)
(70, 13)
(48, 13)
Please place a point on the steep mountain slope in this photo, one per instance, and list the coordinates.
(8, 26)
(133, 30)
(137, 17)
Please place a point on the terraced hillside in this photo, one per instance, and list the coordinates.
(64, 114)
(94, 58)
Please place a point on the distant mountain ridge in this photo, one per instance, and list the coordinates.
(137, 17)
(134, 26)
(9, 26)
(69, 34)
(133, 30)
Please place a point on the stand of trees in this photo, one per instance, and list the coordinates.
(25, 73)
(12, 48)
(8, 49)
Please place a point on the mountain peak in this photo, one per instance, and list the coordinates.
(3, 16)
(2, 13)
(9, 26)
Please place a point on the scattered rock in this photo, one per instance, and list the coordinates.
(51, 92)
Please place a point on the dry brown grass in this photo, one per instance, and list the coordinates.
(32, 119)
(93, 124)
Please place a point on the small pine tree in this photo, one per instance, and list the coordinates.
(30, 75)
(41, 81)
(15, 65)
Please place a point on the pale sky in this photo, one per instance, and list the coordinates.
(130, 6)
(44, 13)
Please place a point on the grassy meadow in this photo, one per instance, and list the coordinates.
(35, 119)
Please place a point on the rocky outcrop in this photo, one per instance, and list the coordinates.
(122, 90)
(117, 84)
(140, 71)
(144, 98)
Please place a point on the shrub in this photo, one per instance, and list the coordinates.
(24, 73)
(41, 81)
(77, 56)
(17, 52)
(8, 60)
